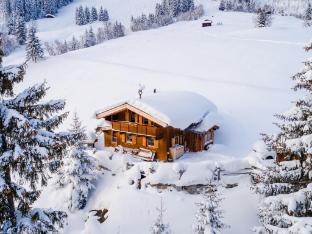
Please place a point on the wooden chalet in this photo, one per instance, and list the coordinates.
(161, 126)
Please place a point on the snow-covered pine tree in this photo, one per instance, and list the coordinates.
(174, 6)
(90, 39)
(105, 15)
(34, 49)
(74, 44)
(94, 15)
(11, 24)
(100, 35)
(80, 16)
(20, 30)
(77, 21)
(87, 15)
(186, 5)
(308, 16)
(209, 216)
(29, 149)
(79, 170)
(118, 30)
(49, 7)
(101, 14)
(263, 18)
(287, 185)
(222, 5)
(108, 31)
(159, 227)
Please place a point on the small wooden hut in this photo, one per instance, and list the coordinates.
(207, 23)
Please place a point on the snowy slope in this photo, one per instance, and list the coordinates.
(243, 70)
(238, 67)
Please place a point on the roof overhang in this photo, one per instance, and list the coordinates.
(125, 106)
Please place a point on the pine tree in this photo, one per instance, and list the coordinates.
(187, 5)
(222, 5)
(106, 15)
(287, 185)
(108, 31)
(79, 171)
(174, 6)
(101, 14)
(74, 44)
(87, 16)
(100, 35)
(19, 7)
(11, 24)
(80, 16)
(29, 149)
(94, 14)
(263, 19)
(31, 9)
(20, 30)
(92, 37)
(308, 16)
(34, 49)
(49, 7)
(118, 30)
(209, 216)
(159, 227)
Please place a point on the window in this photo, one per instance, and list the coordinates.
(132, 117)
(145, 121)
(114, 139)
(150, 141)
(129, 138)
(115, 117)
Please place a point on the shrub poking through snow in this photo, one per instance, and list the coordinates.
(179, 168)
(79, 170)
(159, 227)
(208, 218)
(286, 185)
(30, 150)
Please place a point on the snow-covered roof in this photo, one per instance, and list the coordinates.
(179, 109)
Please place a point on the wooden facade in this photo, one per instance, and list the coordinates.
(134, 129)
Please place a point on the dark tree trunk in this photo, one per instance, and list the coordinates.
(10, 196)
(8, 180)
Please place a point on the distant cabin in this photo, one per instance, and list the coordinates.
(161, 126)
(207, 23)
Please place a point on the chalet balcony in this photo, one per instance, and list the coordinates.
(138, 129)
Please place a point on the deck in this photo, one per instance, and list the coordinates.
(139, 129)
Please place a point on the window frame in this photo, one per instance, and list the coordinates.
(114, 137)
(143, 121)
(132, 115)
(148, 141)
(129, 138)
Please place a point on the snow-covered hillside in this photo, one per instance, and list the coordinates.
(238, 67)
(242, 69)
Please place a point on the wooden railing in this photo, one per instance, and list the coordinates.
(136, 128)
